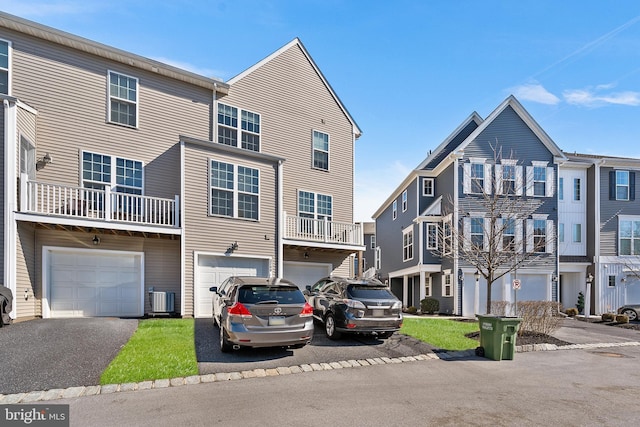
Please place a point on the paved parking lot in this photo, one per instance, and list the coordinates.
(321, 350)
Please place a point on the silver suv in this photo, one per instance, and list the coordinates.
(261, 312)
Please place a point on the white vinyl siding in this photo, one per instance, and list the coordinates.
(123, 99)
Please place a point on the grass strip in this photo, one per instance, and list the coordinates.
(159, 348)
(445, 334)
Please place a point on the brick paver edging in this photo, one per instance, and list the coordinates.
(72, 392)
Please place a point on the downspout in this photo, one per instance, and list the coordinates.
(10, 202)
(280, 222)
(183, 248)
(596, 226)
(454, 223)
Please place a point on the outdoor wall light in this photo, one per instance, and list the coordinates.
(476, 275)
(589, 278)
(46, 159)
(306, 255)
(96, 240)
(554, 278)
(233, 247)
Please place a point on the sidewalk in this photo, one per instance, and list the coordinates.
(578, 331)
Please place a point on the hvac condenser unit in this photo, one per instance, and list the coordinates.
(163, 302)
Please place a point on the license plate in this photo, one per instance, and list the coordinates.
(378, 312)
(276, 320)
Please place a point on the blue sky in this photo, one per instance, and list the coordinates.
(408, 71)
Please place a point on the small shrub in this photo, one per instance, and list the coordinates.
(538, 317)
(411, 310)
(580, 303)
(571, 312)
(608, 317)
(430, 305)
(622, 318)
(499, 308)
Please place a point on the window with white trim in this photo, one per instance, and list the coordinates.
(612, 281)
(427, 187)
(123, 99)
(5, 77)
(447, 285)
(404, 201)
(561, 232)
(577, 233)
(228, 127)
(622, 185)
(378, 258)
(539, 235)
(432, 236)
(477, 178)
(234, 190)
(539, 180)
(407, 244)
(576, 189)
(373, 241)
(427, 286)
(320, 150)
(629, 236)
(315, 205)
(394, 209)
(477, 233)
(508, 234)
(508, 179)
(560, 188)
(447, 236)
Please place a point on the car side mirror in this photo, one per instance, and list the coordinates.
(308, 287)
(213, 289)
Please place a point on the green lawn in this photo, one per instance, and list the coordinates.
(160, 348)
(445, 334)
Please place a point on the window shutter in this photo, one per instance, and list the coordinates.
(498, 172)
(466, 178)
(488, 182)
(466, 224)
(612, 185)
(529, 235)
(550, 238)
(632, 185)
(529, 183)
(550, 184)
(518, 238)
(519, 181)
(499, 231)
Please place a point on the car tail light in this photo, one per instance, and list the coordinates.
(238, 309)
(352, 303)
(307, 310)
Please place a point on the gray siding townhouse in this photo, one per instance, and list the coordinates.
(612, 243)
(442, 198)
(126, 181)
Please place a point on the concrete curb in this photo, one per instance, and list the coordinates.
(75, 392)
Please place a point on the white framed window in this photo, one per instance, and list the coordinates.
(576, 189)
(508, 234)
(622, 185)
(373, 241)
(123, 175)
(477, 232)
(320, 150)
(407, 244)
(315, 205)
(432, 236)
(5, 67)
(234, 190)
(560, 188)
(477, 176)
(228, 128)
(123, 99)
(508, 177)
(561, 232)
(428, 286)
(577, 233)
(378, 258)
(540, 234)
(447, 285)
(611, 282)
(447, 235)
(404, 201)
(474, 233)
(540, 180)
(629, 236)
(394, 208)
(427, 187)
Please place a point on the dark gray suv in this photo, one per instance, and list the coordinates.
(261, 312)
(355, 306)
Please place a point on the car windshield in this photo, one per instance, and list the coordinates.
(369, 292)
(270, 294)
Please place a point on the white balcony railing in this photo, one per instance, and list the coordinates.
(322, 230)
(104, 205)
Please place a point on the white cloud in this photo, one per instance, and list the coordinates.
(373, 186)
(535, 92)
(590, 98)
(207, 72)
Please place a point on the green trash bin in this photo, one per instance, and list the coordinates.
(498, 336)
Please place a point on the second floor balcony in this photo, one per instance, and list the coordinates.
(97, 204)
(322, 231)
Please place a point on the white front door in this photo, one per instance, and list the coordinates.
(87, 283)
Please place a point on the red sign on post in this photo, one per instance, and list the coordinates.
(516, 284)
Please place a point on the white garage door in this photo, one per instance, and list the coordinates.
(91, 283)
(213, 270)
(305, 273)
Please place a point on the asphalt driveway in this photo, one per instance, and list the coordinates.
(44, 354)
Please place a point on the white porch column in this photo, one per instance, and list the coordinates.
(405, 290)
(423, 292)
(476, 297)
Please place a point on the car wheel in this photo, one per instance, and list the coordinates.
(631, 314)
(225, 345)
(330, 327)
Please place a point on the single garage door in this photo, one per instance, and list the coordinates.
(95, 283)
(212, 270)
(306, 273)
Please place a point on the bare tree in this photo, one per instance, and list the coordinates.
(498, 230)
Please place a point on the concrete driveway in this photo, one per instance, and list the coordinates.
(44, 354)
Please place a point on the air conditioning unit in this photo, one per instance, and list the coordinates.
(163, 302)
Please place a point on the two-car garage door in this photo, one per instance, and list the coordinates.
(86, 283)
